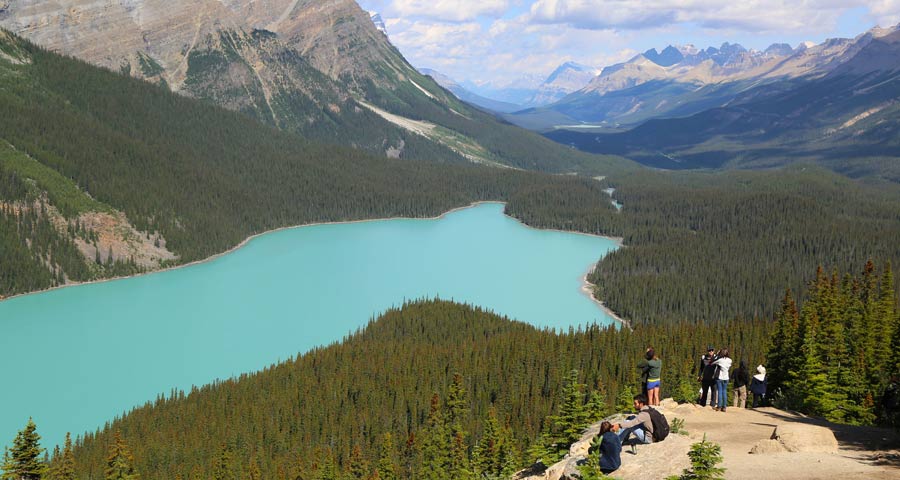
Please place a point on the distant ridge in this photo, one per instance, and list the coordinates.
(835, 103)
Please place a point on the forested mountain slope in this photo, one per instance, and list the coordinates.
(104, 175)
(318, 68)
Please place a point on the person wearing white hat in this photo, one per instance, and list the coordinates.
(758, 386)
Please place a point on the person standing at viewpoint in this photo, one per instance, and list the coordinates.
(740, 378)
(723, 362)
(706, 375)
(651, 367)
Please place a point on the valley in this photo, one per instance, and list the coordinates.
(251, 239)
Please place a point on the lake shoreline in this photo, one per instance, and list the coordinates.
(586, 288)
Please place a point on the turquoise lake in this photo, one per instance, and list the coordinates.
(77, 357)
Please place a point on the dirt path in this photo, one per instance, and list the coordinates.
(862, 452)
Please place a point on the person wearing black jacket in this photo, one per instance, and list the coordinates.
(758, 386)
(706, 374)
(740, 380)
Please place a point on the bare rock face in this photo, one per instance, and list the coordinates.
(154, 38)
(113, 33)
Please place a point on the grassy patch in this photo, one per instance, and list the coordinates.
(63, 192)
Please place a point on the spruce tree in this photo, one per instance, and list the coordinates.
(435, 444)
(486, 454)
(886, 321)
(571, 418)
(704, 458)
(120, 462)
(53, 465)
(359, 468)
(597, 409)
(67, 466)
(253, 471)
(783, 343)
(457, 413)
(387, 469)
(23, 462)
(223, 467)
(625, 399)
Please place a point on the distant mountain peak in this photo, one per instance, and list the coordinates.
(879, 31)
(778, 50)
(379, 22)
(566, 67)
(668, 57)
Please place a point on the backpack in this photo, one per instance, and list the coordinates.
(660, 425)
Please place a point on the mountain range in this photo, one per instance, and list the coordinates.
(321, 69)
(834, 103)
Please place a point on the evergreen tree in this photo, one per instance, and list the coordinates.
(387, 470)
(53, 465)
(837, 370)
(886, 324)
(571, 418)
(704, 458)
(359, 468)
(495, 454)
(783, 347)
(435, 444)
(23, 461)
(597, 407)
(457, 413)
(223, 466)
(67, 466)
(625, 399)
(120, 462)
(486, 456)
(253, 471)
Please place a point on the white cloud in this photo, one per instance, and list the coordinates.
(450, 10)
(885, 12)
(745, 15)
(499, 41)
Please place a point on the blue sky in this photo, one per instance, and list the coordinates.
(499, 41)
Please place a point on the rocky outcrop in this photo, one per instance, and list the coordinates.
(657, 460)
(798, 438)
(761, 443)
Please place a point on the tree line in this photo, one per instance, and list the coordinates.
(832, 354)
